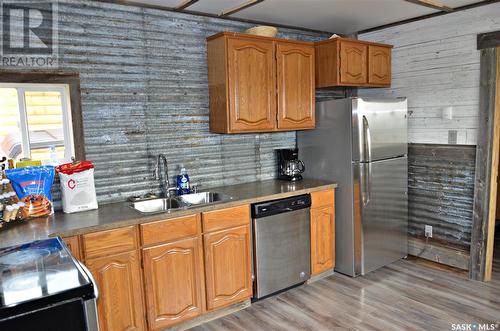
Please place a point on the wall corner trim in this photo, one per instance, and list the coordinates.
(484, 162)
(488, 40)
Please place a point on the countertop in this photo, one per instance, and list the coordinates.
(120, 214)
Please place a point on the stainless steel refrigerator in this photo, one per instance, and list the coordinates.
(361, 143)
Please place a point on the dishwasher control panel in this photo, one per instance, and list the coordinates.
(275, 207)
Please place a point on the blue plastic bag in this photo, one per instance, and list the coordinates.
(32, 186)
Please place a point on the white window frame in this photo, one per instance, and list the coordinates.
(63, 89)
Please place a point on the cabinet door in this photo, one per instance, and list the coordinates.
(120, 305)
(379, 65)
(73, 244)
(228, 266)
(252, 85)
(173, 276)
(296, 90)
(353, 60)
(322, 239)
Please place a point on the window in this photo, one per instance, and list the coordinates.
(36, 122)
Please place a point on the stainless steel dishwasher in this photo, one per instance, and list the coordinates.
(282, 248)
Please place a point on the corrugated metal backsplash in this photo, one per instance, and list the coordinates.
(144, 92)
(441, 191)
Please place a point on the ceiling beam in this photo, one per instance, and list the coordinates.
(240, 7)
(184, 4)
(424, 17)
(431, 4)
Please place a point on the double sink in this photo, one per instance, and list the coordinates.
(162, 205)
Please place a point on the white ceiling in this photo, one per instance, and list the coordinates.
(339, 16)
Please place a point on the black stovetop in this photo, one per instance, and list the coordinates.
(38, 274)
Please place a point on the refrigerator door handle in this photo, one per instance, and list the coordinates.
(368, 182)
(366, 179)
(367, 143)
(367, 167)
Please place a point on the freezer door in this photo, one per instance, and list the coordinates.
(379, 128)
(381, 213)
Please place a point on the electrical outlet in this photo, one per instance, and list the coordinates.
(428, 231)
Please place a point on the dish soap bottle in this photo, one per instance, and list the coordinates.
(183, 182)
(53, 160)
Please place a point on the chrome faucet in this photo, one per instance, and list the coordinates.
(164, 180)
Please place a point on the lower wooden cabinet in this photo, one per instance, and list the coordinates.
(173, 277)
(322, 231)
(184, 272)
(228, 266)
(322, 239)
(120, 305)
(73, 244)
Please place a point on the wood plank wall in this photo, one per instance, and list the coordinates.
(436, 65)
(144, 92)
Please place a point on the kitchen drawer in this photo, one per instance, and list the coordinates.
(170, 230)
(226, 218)
(322, 198)
(109, 242)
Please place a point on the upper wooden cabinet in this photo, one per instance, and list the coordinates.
(350, 62)
(296, 91)
(251, 82)
(353, 61)
(259, 84)
(379, 65)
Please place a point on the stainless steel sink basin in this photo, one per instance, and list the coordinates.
(157, 205)
(186, 201)
(204, 198)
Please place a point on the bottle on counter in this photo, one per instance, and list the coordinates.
(7, 213)
(4, 188)
(13, 215)
(183, 182)
(2, 203)
(12, 198)
(22, 213)
(53, 159)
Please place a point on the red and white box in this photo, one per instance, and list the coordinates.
(77, 186)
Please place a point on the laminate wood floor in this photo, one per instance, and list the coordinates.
(406, 295)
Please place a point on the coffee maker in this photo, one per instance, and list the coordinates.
(289, 165)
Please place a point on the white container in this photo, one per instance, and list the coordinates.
(78, 191)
